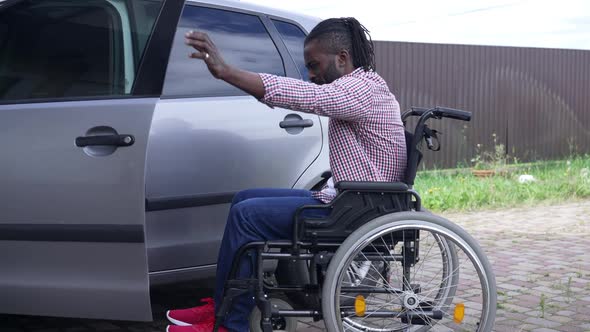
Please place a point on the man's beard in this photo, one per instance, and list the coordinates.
(331, 74)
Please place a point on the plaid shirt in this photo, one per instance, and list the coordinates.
(365, 131)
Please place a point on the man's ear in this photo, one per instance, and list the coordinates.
(343, 58)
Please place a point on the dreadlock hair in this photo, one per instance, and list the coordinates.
(346, 33)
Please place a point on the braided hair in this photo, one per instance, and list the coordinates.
(337, 34)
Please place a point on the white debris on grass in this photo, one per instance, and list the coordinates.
(526, 178)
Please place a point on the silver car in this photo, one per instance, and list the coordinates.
(120, 155)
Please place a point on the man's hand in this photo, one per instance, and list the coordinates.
(207, 51)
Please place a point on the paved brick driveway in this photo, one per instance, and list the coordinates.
(541, 257)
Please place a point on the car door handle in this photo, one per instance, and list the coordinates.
(303, 123)
(112, 140)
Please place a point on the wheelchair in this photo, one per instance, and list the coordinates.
(377, 262)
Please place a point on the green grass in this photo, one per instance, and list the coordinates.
(458, 190)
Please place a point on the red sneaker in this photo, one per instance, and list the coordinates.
(190, 316)
(200, 327)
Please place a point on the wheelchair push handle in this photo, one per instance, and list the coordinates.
(438, 112)
(455, 114)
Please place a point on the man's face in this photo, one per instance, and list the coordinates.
(322, 66)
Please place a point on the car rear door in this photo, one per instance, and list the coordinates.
(76, 104)
(210, 140)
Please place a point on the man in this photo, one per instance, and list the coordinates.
(366, 142)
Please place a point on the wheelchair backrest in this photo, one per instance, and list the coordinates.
(414, 156)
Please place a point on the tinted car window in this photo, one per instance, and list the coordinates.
(144, 13)
(294, 38)
(242, 40)
(69, 48)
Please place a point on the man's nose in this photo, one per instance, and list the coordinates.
(311, 75)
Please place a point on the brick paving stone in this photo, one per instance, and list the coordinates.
(570, 328)
(307, 328)
(566, 313)
(525, 327)
(516, 308)
(583, 309)
(547, 290)
(512, 315)
(513, 293)
(527, 300)
(509, 287)
(559, 319)
(533, 313)
(541, 322)
(509, 322)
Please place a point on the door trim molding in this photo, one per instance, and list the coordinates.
(72, 233)
(180, 202)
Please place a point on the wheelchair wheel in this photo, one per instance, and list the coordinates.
(436, 277)
(287, 324)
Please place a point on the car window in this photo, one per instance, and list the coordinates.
(144, 15)
(70, 48)
(293, 37)
(242, 40)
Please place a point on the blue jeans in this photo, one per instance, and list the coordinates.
(255, 215)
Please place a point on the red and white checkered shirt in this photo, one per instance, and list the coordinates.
(365, 131)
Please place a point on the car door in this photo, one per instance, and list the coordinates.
(210, 140)
(73, 138)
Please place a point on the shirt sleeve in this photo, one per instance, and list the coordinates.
(347, 98)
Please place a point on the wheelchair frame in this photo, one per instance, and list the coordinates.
(317, 239)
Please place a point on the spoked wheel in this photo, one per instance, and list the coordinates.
(435, 277)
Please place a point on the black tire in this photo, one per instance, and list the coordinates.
(286, 324)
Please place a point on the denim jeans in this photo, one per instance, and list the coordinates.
(255, 215)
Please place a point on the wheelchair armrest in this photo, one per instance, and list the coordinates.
(371, 186)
